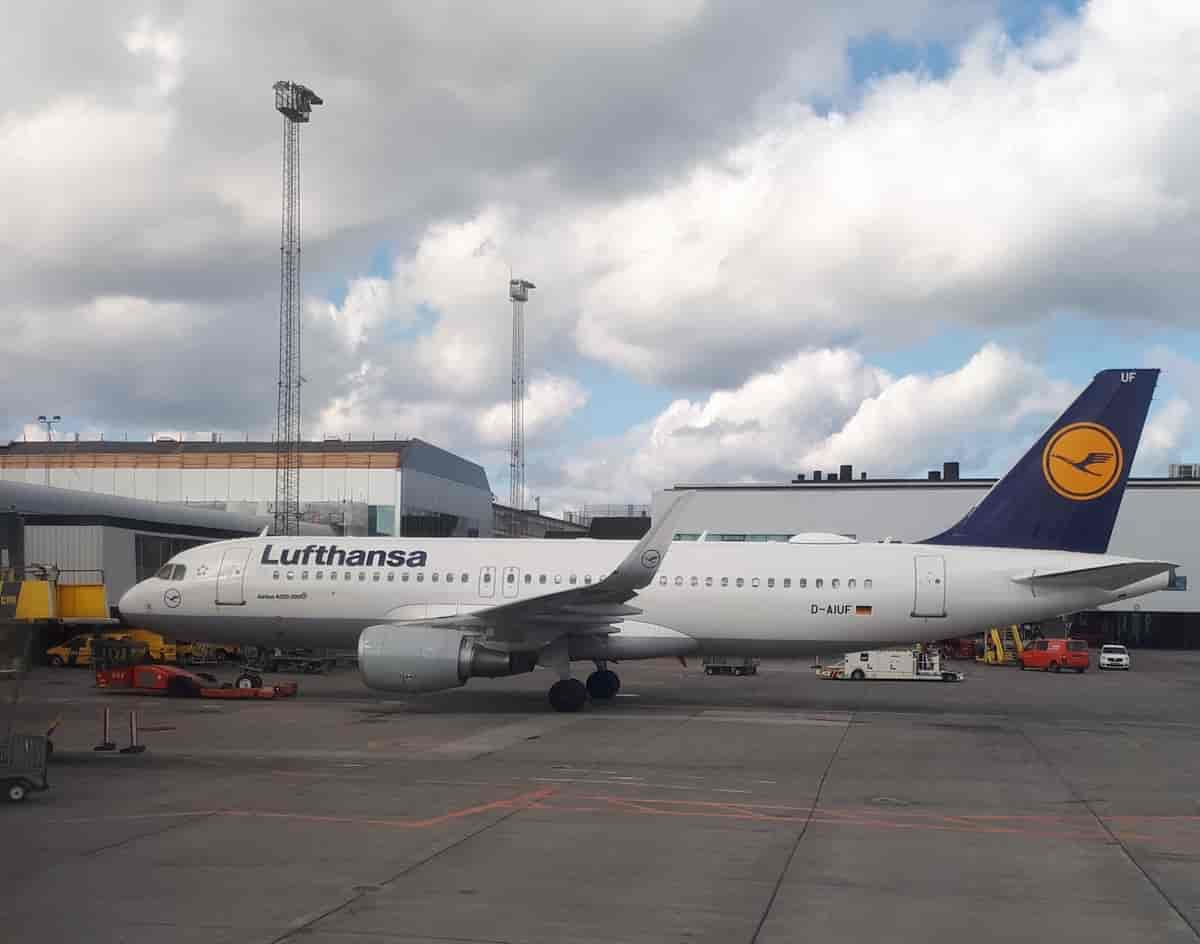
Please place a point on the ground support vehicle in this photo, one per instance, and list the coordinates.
(730, 665)
(286, 660)
(121, 667)
(1113, 656)
(922, 665)
(1054, 655)
(23, 766)
(1002, 647)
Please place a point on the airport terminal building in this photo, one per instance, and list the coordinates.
(1158, 520)
(387, 488)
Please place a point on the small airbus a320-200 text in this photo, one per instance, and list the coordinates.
(428, 614)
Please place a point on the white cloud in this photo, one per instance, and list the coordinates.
(549, 402)
(822, 409)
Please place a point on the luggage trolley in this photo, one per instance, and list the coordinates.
(23, 766)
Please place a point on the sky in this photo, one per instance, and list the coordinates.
(767, 236)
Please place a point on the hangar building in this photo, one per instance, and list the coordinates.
(392, 487)
(1157, 520)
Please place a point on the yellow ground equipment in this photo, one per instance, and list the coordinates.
(42, 595)
(1002, 646)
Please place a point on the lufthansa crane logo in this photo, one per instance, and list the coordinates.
(172, 598)
(651, 559)
(1082, 461)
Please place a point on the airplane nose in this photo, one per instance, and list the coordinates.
(128, 602)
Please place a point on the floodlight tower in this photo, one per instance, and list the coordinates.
(294, 102)
(518, 293)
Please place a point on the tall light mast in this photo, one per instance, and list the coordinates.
(518, 293)
(294, 102)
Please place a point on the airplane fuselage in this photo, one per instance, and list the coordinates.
(770, 599)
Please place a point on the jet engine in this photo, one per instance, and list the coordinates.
(425, 659)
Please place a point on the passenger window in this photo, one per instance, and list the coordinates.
(320, 575)
(541, 578)
(510, 578)
(558, 578)
(449, 578)
(695, 581)
(662, 581)
(529, 578)
(487, 576)
(708, 581)
(291, 575)
(391, 577)
(404, 578)
(835, 583)
(587, 578)
(362, 576)
(754, 582)
(304, 575)
(679, 581)
(851, 583)
(787, 582)
(724, 581)
(275, 576)
(465, 578)
(770, 581)
(867, 584)
(347, 575)
(332, 575)
(573, 580)
(434, 576)
(819, 583)
(420, 578)
(741, 582)
(375, 577)
(803, 582)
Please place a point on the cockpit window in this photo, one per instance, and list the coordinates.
(180, 570)
(164, 572)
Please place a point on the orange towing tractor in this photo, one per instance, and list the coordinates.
(122, 666)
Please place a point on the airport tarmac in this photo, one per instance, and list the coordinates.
(771, 808)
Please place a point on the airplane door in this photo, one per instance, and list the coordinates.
(487, 581)
(512, 577)
(232, 576)
(930, 597)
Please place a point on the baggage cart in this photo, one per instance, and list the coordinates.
(23, 766)
(730, 665)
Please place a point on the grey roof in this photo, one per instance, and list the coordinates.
(105, 446)
(26, 499)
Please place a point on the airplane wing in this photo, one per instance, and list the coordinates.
(1104, 577)
(578, 609)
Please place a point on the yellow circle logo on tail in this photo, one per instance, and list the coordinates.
(1082, 461)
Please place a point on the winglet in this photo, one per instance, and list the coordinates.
(638, 568)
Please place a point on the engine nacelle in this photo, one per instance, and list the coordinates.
(424, 659)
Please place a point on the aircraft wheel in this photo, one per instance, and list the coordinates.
(568, 695)
(858, 675)
(16, 792)
(603, 684)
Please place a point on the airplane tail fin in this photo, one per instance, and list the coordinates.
(1065, 492)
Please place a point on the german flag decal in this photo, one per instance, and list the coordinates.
(862, 611)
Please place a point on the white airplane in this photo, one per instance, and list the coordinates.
(429, 614)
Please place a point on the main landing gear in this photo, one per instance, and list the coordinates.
(570, 694)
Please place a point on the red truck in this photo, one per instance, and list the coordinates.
(1054, 655)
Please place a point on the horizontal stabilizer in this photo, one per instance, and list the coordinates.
(1104, 577)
